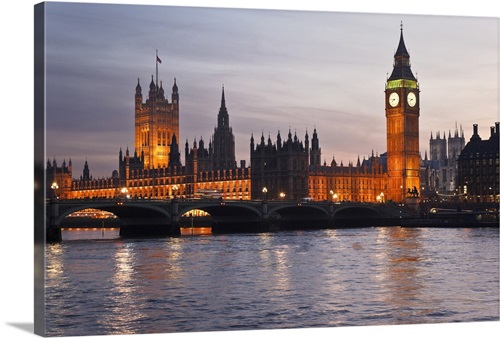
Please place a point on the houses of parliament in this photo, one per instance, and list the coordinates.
(287, 168)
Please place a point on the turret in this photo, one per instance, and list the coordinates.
(86, 171)
(175, 93)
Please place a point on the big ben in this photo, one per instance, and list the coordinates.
(402, 111)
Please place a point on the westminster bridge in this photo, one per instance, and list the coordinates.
(147, 217)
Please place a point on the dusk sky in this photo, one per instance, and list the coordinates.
(281, 70)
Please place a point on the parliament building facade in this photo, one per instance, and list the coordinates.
(288, 168)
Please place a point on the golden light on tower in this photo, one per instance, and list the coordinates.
(402, 117)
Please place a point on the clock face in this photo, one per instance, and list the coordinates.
(412, 99)
(394, 99)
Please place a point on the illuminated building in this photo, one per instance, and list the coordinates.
(288, 169)
(402, 112)
(156, 121)
(364, 182)
(58, 179)
(378, 178)
(155, 174)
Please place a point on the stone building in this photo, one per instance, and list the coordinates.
(58, 179)
(155, 174)
(287, 169)
(439, 171)
(156, 121)
(478, 167)
(402, 111)
(280, 170)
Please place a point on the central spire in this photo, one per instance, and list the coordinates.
(223, 117)
(223, 100)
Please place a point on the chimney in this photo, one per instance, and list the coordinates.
(475, 135)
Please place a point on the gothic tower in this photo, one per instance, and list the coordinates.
(223, 140)
(437, 148)
(455, 144)
(315, 150)
(156, 121)
(402, 110)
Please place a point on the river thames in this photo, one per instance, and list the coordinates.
(100, 284)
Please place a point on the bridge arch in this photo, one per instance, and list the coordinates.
(356, 210)
(349, 216)
(227, 216)
(219, 209)
(123, 211)
(298, 216)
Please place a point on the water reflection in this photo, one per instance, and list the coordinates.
(402, 257)
(373, 276)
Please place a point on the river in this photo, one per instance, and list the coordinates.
(99, 284)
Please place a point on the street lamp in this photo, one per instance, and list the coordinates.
(331, 194)
(382, 196)
(54, 188)
(174, 189)
(264, 192)
(282, 195)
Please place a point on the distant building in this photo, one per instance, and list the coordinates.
(478, 167)
(439, 172)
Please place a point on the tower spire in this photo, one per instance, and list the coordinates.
(402, 68)
(223, 99)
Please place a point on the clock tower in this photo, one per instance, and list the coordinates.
(402, 110)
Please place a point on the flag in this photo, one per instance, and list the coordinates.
(158, 59)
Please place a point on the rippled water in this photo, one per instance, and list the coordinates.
(324, 278)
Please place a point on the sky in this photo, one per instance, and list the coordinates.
(282, 69)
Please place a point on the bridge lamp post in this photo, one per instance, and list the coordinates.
(382, 197)
(124, 192)
(54, 188)
(331, 195)
(174, 189)
(282, 195)
(264, 193)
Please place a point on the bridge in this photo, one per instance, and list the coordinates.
(148, 217)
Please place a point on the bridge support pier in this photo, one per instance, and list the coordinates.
(53, 230)
(175, 225)
(265, 226)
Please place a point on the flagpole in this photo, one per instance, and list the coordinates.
(156, 67)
